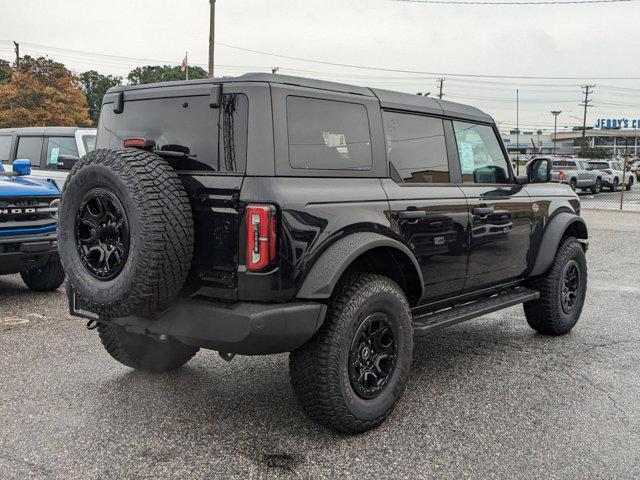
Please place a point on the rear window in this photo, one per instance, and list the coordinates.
(328, 135)
(5, 148)
(214, 139)
(599, 165)
(564, 165)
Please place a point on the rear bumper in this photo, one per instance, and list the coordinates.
(242, 328)
(19, 254)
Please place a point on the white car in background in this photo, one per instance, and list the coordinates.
(612, 175)
(52, 150)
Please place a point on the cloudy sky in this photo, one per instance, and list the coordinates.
(576, 42)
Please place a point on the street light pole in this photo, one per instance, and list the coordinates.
(212, 35)
(555, 114)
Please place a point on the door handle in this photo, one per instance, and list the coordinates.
(412, 214)
(482, 211)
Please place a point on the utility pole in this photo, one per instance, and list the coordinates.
(440, 82)
(555, 114)
(587, 90)
(17, 55)
(212, 35)
(518, 131)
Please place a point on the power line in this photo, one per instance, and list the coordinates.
(344, 65)
(528, 2)
(418, 72)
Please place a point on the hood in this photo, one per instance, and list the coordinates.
(26, 187)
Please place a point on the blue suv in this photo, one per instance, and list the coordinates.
(28, 228)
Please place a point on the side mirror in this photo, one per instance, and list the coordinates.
(539, 171)
(67, 162)
(22, 167)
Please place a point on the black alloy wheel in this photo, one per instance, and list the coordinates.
(373, 355)
(570, 286)
(102, 234)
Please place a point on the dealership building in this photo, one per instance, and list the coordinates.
(612, 135)
(613, 141)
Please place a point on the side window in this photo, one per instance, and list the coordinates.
(416, 147)
(30, 148)
(328, 135)
(5, 148)
(481, 158)
(57, 146)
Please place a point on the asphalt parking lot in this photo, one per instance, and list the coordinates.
(486, 399)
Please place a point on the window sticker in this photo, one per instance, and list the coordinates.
(337, 141)
(55, 153)
(465, 151)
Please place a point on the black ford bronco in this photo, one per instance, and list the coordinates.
(267, 214)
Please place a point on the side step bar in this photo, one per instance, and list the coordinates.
(431, 322)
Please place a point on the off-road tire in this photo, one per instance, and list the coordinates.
(46, 278)
(629, 184)
(546, 315)
(597, 187)
(160, 224)
(142, 352)
(319, 370)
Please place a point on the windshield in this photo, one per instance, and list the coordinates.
(204, 137)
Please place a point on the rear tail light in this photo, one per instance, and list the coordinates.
(141, 143)
(261, 238)
(561, 175)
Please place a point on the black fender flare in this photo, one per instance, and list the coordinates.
(334, 261)
(550, 242)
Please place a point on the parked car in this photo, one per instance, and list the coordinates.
(331, 221)
(51, 150)
(28, 217)
(612, 175)
(577, 173)
(634, 166)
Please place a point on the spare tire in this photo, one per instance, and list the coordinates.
(125, 232)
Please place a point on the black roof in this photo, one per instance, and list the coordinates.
(388, 98)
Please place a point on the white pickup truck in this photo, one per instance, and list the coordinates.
(577, 173)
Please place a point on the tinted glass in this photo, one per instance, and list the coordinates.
(416, 147)
(328, 135)
(564, 165)
(481, 157)
(215, 139)
(60, 146)
(599, 165)
(30, 148)
(89, 142)
(5, 148)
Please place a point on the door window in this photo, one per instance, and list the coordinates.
(481, 157)
(30, 148)
(328, 135)
(416, 147)
(5, 148)
(60, 146)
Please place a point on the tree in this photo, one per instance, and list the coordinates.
(42, 93)
(5, 71)
(166, 73)
(95, 85)
(588, 152)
